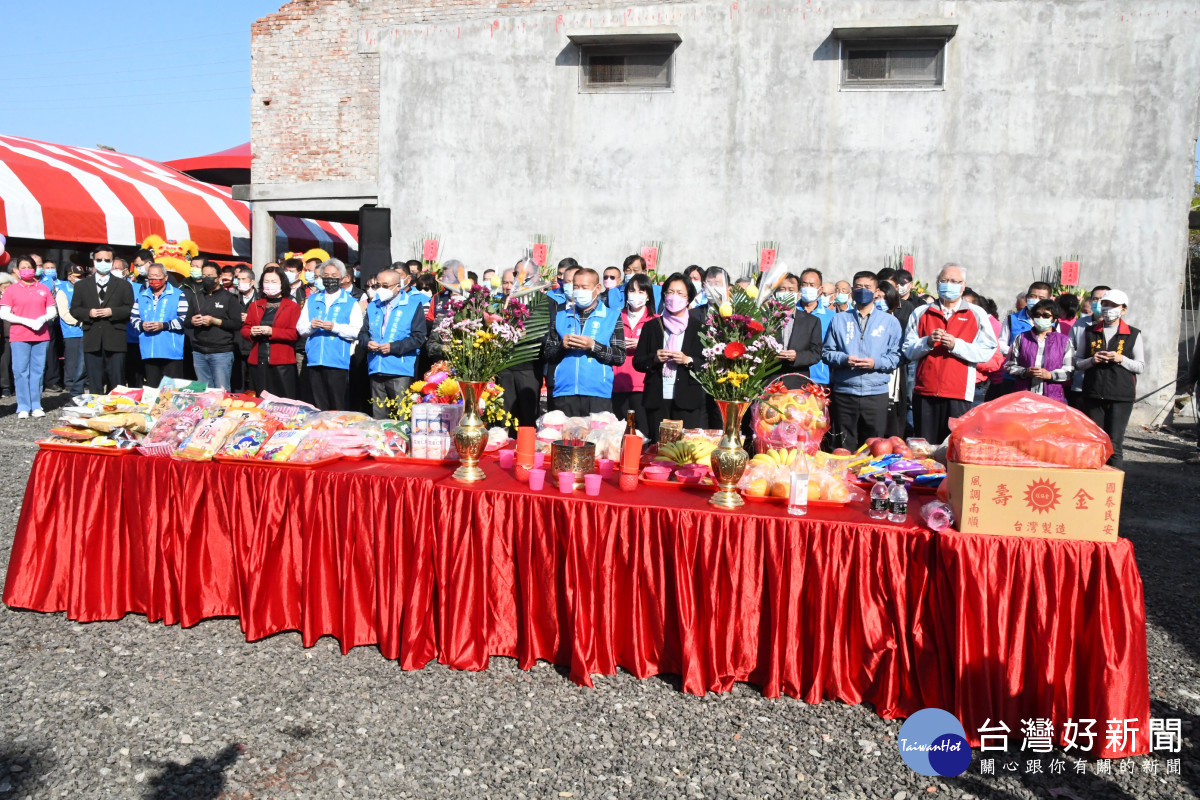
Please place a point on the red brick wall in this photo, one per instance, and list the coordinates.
(315, 105)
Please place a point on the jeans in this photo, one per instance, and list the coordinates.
(29, 362)
(213, 368)
(73, 365)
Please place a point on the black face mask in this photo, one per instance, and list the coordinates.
(331, 284)
(209, 283)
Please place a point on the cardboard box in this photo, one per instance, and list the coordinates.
(1034, 502)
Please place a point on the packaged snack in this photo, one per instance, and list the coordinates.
(74, 434)
(282, 444)
(248, 439)
(173, 428)
(207, 439)
(314, 447)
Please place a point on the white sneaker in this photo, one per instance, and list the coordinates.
(22, 415)
(37, 412)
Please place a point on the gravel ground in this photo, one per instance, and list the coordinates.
(135, 710)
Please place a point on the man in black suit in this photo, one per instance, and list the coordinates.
(801, 335)
(103, 304)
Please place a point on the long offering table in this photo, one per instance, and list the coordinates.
(829, 606)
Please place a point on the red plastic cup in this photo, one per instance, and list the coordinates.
(628, 481)
(537, 479)
(591, 484)
(506, 458)
(566, 482)
(605, 467)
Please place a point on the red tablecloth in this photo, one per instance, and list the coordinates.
(831, 606)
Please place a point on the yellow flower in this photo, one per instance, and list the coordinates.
(417, 388)
(735, 378)
(725, 309)
(448, 388)
(752, 292)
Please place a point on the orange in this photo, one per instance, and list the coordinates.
(781, 489)
(838, 493)
(814, 490)
(757, 487)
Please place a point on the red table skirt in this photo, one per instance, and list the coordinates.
(830, 606)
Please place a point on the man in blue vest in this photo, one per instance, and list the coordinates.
(396, 332)
(159, 311)
(810, 296)
(331, 319)
(584, 345)
(1016, 324)
(72, 332)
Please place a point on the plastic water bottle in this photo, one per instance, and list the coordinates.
(798, 485)
(898, 502)
(879, 498)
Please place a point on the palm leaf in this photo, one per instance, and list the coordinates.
(529, 348)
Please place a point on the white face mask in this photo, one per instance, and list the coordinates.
(1111, 314)
(272, 289)
(384, 295)
(291, 276)
(245, 286)
(1041, 324)
(636, 301)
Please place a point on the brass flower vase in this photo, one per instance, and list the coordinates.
(730, 458)
(470, 436)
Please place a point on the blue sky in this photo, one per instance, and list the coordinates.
(81, 73)
(161, 79)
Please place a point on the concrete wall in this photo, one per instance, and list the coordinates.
(1064, 128)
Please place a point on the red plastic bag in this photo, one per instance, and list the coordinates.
(1024, 429)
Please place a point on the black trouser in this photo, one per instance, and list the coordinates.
(856, 418)
(522, 392)
(624, 402)
(999, 389)
(932, 415)
(278, 379)
(239, 376)
(156, 369)
(104, 366)
(690, 417)
(1113, 417)
(7, 386)
(75, 377)
(385, 388)
(134, 374)
(328, 386)
(53, 376)
(359, 389)
(580, 405)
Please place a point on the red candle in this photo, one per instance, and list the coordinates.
(631, 454)
(526, 441)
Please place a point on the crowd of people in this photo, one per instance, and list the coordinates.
(894, 362)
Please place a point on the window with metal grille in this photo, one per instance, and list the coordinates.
(626, 68)
(916, 63)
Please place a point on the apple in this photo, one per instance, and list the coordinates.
(841, 451)
(881, 447)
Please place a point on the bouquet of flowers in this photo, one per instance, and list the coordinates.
(440, 386)
(741, 341)
(479, 333)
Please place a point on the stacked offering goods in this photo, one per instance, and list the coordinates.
(116, 421)
(1026, 430)
(769, 475)
(786, 418)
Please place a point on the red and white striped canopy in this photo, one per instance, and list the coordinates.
(75, 194)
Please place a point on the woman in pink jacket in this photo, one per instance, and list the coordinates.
(628, 382)
(29, 308)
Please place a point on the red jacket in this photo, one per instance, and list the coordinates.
(283, 331)
(942, 372)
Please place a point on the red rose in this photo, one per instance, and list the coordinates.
(755, 326)
(735, 350)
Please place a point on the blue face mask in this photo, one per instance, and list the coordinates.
(582, 297)
(823, 300)
(808, 294)
(949, 291)
(863, 296)
(881, 304)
